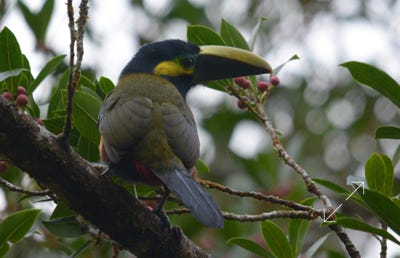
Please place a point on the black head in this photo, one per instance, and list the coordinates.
(185, 64)
(172, 59)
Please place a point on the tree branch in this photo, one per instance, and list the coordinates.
(70, 86)
(270, 215)
(75, 182)
(76, 37)
(278, 214)
(256, 195)
(15, 188)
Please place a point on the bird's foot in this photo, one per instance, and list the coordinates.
(159, 210)
(162, 215)
(102, 167)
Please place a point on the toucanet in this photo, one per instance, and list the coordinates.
(148, 132)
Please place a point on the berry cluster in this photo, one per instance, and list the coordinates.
(21, 99)
(263, 87)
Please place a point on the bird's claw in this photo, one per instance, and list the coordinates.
(102, 167)
(162, 215)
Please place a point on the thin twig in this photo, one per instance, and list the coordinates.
(15, 188)
(178, 211)
(269, 215)
(344, 238)
(383, 242)
(76, 37)
(81, 22)
(70, 86)
(255, 195)
(256, 217)
(311, 186)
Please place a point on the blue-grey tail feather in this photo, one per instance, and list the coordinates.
(194, 196)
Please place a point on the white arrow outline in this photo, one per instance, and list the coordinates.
(360, 184)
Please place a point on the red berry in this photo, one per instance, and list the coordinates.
(40, 122)
(3, 166)
(239, 80)
(21, 90)
(8, 95)
(274, 80)
(241, 104)
(22, 100)
(242, 82)
(262, 86)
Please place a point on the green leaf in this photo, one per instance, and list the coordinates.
(202, 35)
(276, 240)
(16, 225)
(88, 83)
(339, 189)
(30, 17)
(231, 36)
(389, 176)
(61, 211)
(387, 132)
(279, 67)
(297, 230)
(356, 224)
(375, 78)
(38, 22)
(4, 249)
(314, 247)
(54, 125)
(11, 73)
(250, 246)
(396, 200)
(186, 10)
(82, 248)
(45, 16)
(106, 85)
(46, 70)
(396, 156)
(386, 209)
(26, 79)
(374, 172)
(11, 57)
(379, 174)
(86, 109)
(255, 31)
(57, 103)
(88, 150)
(219, 85)
(34, 110)
(334, 254)
(202, 167)
(332, 186)
(64, 227)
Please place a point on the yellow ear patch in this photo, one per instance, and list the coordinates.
(171, 69)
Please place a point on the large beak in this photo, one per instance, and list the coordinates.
(222, 62)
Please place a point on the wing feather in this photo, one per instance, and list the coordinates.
(181, 131)
(123, 121)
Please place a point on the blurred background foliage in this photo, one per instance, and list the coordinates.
(326, 121)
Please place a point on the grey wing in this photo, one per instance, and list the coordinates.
(181, 131)
(123, 121)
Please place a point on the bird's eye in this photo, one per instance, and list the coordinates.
(188, 62)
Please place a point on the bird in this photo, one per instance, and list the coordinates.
(148, 132)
